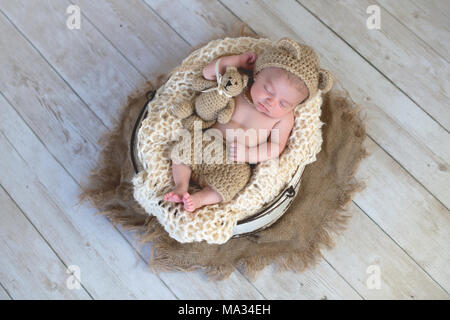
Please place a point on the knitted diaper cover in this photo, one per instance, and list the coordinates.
(208, 159)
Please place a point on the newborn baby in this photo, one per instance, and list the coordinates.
(266, 108)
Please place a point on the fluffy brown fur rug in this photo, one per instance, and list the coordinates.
(294, 242)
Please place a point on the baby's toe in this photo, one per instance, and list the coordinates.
(188, 203)
(188, 206)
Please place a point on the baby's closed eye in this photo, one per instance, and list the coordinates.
(283, 103)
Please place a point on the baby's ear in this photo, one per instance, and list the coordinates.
(325, 80)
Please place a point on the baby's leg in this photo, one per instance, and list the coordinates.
(202, 198)
(181, 174)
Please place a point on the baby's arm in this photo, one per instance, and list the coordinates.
(245, 60)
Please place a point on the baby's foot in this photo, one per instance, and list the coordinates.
(190, 202)
(176, 195)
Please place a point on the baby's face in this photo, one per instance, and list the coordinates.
(273, 91)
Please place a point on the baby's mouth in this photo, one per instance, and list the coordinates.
(263, 107)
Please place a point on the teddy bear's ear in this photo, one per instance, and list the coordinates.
(244, 80)
(290, 46)
(231, 69)
(325, 80)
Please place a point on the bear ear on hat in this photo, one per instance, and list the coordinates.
(325, 80)
(290, 46)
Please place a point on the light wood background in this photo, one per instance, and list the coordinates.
(62, 89)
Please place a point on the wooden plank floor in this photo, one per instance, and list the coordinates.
(61, 90)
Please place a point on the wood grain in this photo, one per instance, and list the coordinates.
(48, 196)
(428, 19)
(399, 54)
(30, 269)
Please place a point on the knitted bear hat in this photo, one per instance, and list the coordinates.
(299, 59)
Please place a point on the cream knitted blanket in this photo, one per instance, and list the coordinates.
(158, 132)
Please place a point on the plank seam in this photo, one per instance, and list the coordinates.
(372, 65)
(36, 229)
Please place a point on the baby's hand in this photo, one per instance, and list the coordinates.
(237, 152)
(247, 60)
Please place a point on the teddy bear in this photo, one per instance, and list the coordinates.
(215, 102)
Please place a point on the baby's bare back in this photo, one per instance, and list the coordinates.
(255, 125)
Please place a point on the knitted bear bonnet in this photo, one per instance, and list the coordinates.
(300, 60)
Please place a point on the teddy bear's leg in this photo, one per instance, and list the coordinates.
(188, 123)
(183, 110)
(207, 124)
(225, 114)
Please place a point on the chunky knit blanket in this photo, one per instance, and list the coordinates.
(159, 130)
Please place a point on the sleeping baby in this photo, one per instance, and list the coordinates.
(284, 78)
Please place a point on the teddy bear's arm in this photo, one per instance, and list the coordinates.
(200, 83)
(225, 114)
